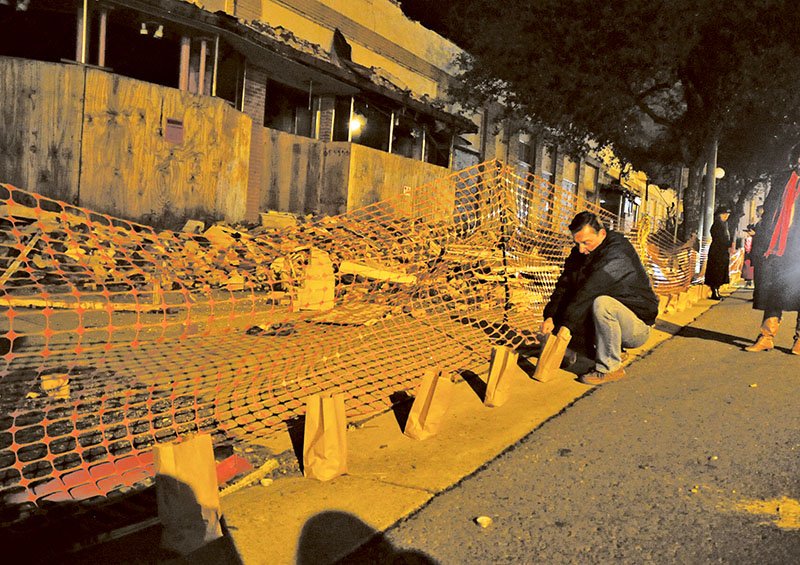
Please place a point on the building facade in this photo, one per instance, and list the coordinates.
(160, 110)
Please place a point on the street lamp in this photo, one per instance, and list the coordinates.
(719, 173)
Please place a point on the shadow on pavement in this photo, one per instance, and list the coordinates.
(71, 534)
(145, 547)
(402, 402)
(500, 333)
(331, 534)
(475, 383)
(699, 333)
(296, 427)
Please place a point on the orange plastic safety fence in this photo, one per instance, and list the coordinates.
(117, 337)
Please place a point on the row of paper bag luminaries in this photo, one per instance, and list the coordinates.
(191, 516)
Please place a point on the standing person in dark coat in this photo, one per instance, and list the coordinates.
(776, 244)
(749, 260)
(719, 253)
(603, 296)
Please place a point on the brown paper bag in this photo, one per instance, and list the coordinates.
(502, 368)
(430, 405)
(325, 438)
(550, 360)
(187, 493)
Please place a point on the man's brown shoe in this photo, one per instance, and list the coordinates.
(598, 378)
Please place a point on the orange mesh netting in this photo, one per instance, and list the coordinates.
(117, 337)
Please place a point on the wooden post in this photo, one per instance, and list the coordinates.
(183, 77)
(201, 76)
(101, 45)
(82, 36)
(216, 66)
(504, 238)
(350, 121)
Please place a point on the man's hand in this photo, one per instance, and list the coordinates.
(547, 326)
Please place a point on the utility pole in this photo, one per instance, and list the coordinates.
(710, 188)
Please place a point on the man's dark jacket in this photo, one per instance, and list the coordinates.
(612, 269)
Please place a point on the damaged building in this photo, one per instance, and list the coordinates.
(162, 110)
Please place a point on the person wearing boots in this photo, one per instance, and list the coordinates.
(603, 296)
(719, 253)
(776, 244)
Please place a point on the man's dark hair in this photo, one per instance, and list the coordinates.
(583, 219)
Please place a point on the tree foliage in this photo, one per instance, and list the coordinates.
(660, 80)
(753, 152)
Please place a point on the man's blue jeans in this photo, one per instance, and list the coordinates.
(615, 326)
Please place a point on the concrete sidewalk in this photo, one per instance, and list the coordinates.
(391, 476)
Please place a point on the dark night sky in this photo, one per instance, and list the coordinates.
(430, 13)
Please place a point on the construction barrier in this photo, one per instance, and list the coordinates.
(116, 337)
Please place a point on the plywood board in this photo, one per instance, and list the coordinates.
(41, 126)
(131, 169)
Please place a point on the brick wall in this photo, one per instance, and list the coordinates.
(326, 115)
(255, 94)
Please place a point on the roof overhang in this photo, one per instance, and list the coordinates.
(295, 67)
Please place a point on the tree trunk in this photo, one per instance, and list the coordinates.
(692, 201)
(744, 194)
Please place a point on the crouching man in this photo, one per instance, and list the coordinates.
(603, 296)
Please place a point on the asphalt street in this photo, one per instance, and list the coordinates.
(693, 458)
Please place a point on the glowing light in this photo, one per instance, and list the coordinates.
(357, 124)
(719, 172)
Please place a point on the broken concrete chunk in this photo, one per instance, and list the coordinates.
(223, 236)
(56, 386)
(193, 226)
(277, 220)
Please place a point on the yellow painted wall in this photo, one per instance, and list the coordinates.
(293, 169)
(387, 19)
(41, 126)
(310, 20)
(375, 176)
(131, 170)
(110, 154)
(302, 175)
(333, 197)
